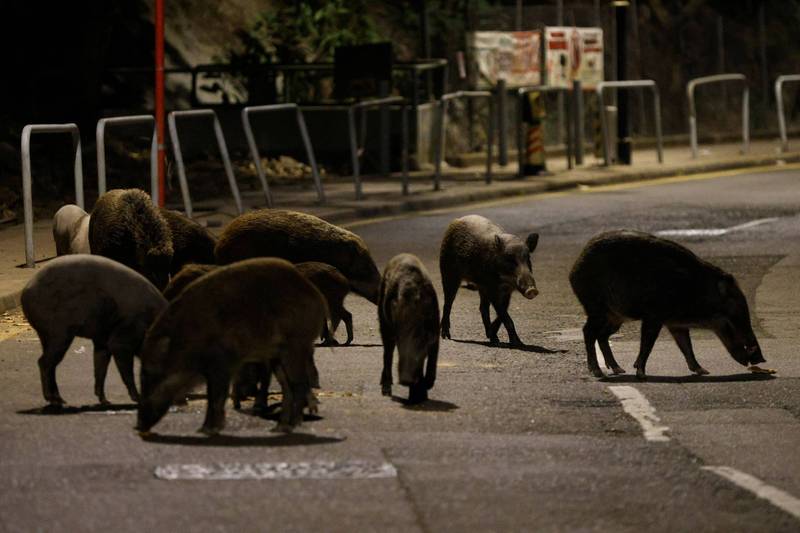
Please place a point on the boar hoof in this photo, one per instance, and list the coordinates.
(596, 372)
(517, 343)
(700, 371)
(445, 333)
(205, 430)
(55, 400)
(312, 403)
(640, 375)
(386, 390)
(617, 370)
(282, 427)
(494, 341)
(330, 342)
(102, 400)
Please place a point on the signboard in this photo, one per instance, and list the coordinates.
(510, 55)
(570, 54)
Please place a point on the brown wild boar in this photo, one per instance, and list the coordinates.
(191, 242)
(259, 310)
(71, 230)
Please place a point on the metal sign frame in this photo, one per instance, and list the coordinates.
(719, 78)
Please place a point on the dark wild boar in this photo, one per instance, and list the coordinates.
(187, 274)
(71, 230)
(628, 275)
(334, 287)
(408, 312)
(126, 227)
(299, 237)
(191, 242)
(496, 263)
(260, 310)
(93, 297)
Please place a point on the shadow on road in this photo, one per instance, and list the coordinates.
(352, 345)
(690, 378)
(292, 439)
(437, 406)
(53, 410)
(508, 346)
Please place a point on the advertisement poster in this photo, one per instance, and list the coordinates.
(513, 56)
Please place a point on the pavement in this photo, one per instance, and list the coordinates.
(383, 196)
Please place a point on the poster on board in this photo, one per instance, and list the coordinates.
(573, 53)
(510, 55)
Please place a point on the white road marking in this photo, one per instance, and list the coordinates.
(635, 404)
(713, 232)
(300, 470)
(775, 496)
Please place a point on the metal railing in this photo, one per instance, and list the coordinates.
(223, 150)
(356, 147)
(27, 195)
(251, 141)
(630, 84)
(719, 78)
(786, 78)
(100, 137)
(521, 151)
(439, 147)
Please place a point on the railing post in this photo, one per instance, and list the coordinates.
(577, 103)
(779, 105)
(100, 138)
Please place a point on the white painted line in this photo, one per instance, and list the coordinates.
(777, 497)
(713, 232)
(300, 470)
(635, 404)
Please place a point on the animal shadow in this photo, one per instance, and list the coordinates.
(434, 406)
(689, 378)
(351, 345)
(55, 410)
(236, 441)
(274, 414)
(508, 346)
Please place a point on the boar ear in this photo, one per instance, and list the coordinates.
(498, 243)
(532, 241)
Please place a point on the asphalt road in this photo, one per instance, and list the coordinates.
(512, 439)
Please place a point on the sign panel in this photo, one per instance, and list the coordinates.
(510, 55)
(574, 54)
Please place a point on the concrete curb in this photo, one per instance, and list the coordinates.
(9, 302)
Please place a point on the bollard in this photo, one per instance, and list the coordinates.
(534, 114)
(577, 95)
(502, 118)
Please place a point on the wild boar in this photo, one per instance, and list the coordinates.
(259, 310)
(187, 274)
(71, 230)
(93, 297)
(477, 250)
(408, 313)
(629, 275)
(127, 227)
(299, 237)
(334, 287)
(191, 242)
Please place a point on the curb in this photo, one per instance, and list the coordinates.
(9, 302)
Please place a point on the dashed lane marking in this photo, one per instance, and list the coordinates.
(777, 497)
(301, 470)
(635, 404)
(714, 232)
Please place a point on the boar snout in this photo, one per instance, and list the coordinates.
(527, 286)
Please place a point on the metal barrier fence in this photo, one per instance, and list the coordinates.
(779, 104)
(630, 84)
(719, 78)
(223, 150)
(251, 141)
(100, 137)
(521, 152)
(351, 111)
(440, 138)
(27, 195)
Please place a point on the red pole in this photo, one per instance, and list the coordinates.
(159, 98)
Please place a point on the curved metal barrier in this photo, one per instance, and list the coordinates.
(223, 150)
(786, 78)
(521, 92)
(719, 78)
(251, 141)
(630, 84)
(440, 137)
(100, 137)
(356, 146)
(27, 195)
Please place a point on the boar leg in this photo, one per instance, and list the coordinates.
(218, 383)
(500, 304)
(123, 358)
(430, 367)
(327, 336)
(54, 350)
(260, 402)
(602, 339)
(650, 330)
(389, 341)
(684, 342)
(590, 334)
(450, 287)
(491, 332)
(348, 324)
(291, 416)
(102, 356)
